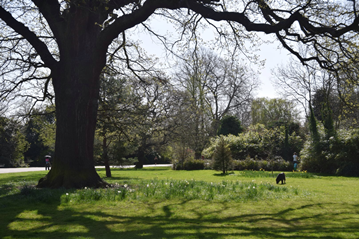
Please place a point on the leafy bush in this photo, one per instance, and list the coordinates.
(251, 164)
(338, 154)
(348, 169)
(194, 164)
(278, 164)
(258, 143)
(181, 154)
(190, 164)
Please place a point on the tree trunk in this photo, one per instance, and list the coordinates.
(76, 110)
(141, 153)
(105, 156)
(76, 81)
(224, 166)
(141, 157)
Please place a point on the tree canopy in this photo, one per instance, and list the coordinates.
(273, 111)
(230, 125)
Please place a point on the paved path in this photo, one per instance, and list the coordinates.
(30, 169)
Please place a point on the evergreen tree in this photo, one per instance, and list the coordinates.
(222, 158)
(313, 126)
(327, 116)
(286, 147)
(230, 125)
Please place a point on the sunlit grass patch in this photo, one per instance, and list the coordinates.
(162, 204)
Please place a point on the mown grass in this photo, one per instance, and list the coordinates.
(162, 203)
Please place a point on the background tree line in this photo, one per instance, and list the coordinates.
(138, 119)
(177, 119)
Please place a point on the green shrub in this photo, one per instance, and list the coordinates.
(278, 164)
(348, 169)
(263, 164)
(251, 164)
(338, 154)
(181, 154)
(258, 143)
(238, 164)
(190, 164)
(194, 164)
(177, 166)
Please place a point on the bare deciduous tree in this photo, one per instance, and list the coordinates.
(217, 87)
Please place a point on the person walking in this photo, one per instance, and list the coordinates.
(295, 160)
(47, 162)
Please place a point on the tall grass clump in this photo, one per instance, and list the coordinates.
(185, 190)
(152, 189)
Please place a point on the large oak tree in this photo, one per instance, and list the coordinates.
(72, 38)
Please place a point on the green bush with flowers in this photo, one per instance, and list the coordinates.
(258, 143)
(276, 164)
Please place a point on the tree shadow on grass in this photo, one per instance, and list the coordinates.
(26, 176)
(24, 218)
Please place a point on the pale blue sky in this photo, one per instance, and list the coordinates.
(274, 57)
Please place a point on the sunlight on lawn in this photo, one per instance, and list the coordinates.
(307, 206)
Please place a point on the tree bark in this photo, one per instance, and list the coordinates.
(76, 111)
(140, 157)
(105, 156)
(76, 81)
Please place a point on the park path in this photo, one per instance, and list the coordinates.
(31, 169)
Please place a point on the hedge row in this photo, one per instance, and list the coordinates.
(191, 164)
(278, 164)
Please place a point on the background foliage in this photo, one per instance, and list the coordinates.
(258, 142)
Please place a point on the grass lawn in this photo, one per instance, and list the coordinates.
(162, 203)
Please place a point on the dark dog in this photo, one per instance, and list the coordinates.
(280, 177)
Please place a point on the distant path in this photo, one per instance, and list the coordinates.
(31, 169)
